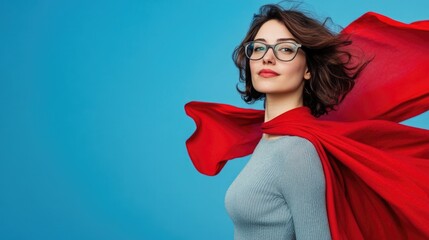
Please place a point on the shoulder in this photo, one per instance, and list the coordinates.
(291, 144)
(292, 150)
(298, 164)
(300, 141)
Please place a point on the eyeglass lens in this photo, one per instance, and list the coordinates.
(284, 51)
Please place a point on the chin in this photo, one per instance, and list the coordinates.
(264, 90)
(269, 88)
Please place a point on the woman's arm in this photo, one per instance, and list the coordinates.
(303, 187)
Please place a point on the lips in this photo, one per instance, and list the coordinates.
(267, 73)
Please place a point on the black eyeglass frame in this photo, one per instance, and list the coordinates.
(272, 46)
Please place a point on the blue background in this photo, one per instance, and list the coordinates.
(92, 126)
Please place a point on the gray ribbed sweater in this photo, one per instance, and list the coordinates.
(280, 193)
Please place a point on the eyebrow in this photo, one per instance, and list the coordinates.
(278, 40)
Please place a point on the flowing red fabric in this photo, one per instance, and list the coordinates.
(376, 170)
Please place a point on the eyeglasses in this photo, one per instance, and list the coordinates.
(284, 51)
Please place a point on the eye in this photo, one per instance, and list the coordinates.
(286, 48)
(259, 48)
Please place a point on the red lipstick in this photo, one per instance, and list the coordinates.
(267, 73)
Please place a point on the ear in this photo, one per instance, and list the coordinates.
(307, 74)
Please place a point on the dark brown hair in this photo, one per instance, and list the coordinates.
(332, 74)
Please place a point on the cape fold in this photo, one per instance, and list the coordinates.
(394, 86)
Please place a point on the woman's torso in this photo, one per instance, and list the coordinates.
(280, 193)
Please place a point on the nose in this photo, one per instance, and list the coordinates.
(269, 56)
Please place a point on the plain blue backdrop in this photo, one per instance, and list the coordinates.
(92, 126)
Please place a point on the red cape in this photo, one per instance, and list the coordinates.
(376, 170)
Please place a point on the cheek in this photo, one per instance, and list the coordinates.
(295, 70)
(252, 66)
(253, 72)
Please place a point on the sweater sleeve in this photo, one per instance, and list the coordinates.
(302, 184)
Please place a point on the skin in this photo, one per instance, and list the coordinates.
(284, 91)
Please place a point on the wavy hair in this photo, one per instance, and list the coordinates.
(330, 64)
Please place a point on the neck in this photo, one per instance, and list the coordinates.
(278, 104)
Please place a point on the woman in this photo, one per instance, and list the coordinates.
(307, 178)
(281, 191)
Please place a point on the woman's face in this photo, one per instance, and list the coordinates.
(288, 77)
